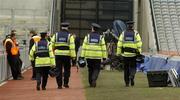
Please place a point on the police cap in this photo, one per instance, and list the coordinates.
(96, 25)
(65, 24)
(130, 22)
(43, 33)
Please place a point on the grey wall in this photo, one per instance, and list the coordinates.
(25, 4)
(26, 8)
(24, 14)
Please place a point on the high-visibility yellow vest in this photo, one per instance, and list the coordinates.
(44, 56)
(94, 47)
(134, 43)
(63, 44)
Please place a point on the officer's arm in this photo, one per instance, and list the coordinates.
(31, 43)
(119, 45)
(104, 50)
(53, 42)
(8, 47)
(32, 51)
(52, 58)
(139, 43)
(72, 47)
(83, 49)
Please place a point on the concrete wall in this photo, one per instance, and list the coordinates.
(25, 4)
(24, 15)
(24, 11)
(145, 26)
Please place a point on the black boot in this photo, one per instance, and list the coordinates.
(66, 85)
(93, 84)
(132, 82)
(38, 88)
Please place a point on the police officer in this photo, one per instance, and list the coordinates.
(129, 46)
(94, 50)
(44, 58)
(64, 49)
(31, 43)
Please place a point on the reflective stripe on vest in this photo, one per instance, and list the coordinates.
(93, 48)
(62, 43)
(129, 38)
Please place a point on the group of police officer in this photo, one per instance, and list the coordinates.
(60, 51)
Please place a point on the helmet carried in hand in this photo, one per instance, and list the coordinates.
(81, 63)
(53, 72)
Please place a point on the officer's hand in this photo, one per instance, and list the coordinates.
(73, 58)
(120, 57)
(104, 59)
(73, 61)
(53, 66)
(137, 52)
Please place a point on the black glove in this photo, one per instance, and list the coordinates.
(104, 62)
(73, 61)
(104, 59)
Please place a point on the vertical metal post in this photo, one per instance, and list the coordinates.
(97, 11)
(80, 18)
(12, 16)
(52, 16)
(34, 15)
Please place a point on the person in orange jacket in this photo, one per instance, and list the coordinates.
(20, 62)
(13, 56)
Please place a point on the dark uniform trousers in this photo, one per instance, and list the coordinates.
(42, 74)
(129, 69)
(20, 63)
(14, 65)
(94, 66)
(33, 69)
(63, 62)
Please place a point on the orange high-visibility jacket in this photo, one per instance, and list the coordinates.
(14, 48)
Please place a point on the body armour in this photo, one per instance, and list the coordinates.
(62, 37)
(129, 36)
(94, 38)
(42, 49)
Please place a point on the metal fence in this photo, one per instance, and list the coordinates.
(5, 71)
(22, 20)
(3, 68)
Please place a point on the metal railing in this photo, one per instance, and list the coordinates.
(5, 71)
(22, 20)
(23, 39)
